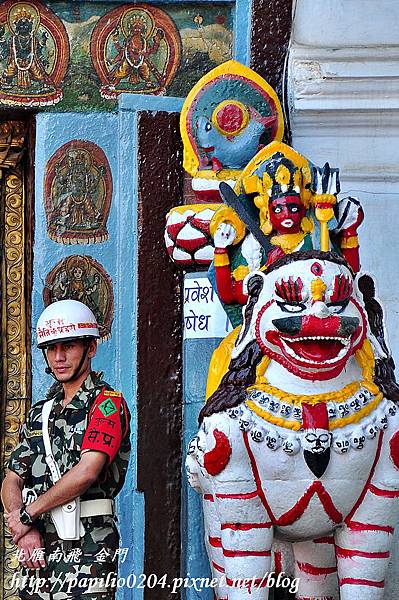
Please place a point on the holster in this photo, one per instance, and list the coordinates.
(66, 519)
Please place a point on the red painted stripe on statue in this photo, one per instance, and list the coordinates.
(209, 497)
(235, 553)
(246, 526)
(312, 570)
(218, 567)
(278, 564)
(364, 491)
(257, 478)
(324, 540)
(215, 542)
(347, 553)
(357, 526)
(367, 582)
(297, 511)
(247, 496)
(384, 493)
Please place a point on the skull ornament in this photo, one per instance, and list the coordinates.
(343, 409)
(316, 441)
(274, 406)
(255, 395)
(273, 440)
(235, 412)
(331, 410)
(371, 431)
(382, 422)
(264, 399)
(364, 397)
(193, 445)
(245, 420)
(358, 439)
(285, 410)
(355, 405)
(291, 445)
(297, 413)
(258, 434)
(340, 444)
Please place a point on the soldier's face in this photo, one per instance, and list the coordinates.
(64, 358)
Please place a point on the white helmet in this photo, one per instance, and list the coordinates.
(65, 320)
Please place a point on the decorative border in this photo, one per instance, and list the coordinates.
(15, 358)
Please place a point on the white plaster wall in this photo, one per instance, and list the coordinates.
(343, 91)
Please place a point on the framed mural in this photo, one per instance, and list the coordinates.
(34, 54)
(135, 48)
(78, 193)
(82, 55)
(82, 278)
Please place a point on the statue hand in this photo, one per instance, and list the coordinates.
(252, 252)
(350, 215)
(224, 236)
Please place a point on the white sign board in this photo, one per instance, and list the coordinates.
(203, 313)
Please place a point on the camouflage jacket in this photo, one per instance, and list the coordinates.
(67, 427)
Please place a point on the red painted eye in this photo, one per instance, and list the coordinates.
(230, 117)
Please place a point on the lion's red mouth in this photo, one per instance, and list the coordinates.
(317, 349)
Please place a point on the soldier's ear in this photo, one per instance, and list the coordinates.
(92, 348)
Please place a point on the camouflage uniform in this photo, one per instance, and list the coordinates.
(93, 556)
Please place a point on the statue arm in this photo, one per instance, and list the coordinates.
(229, 290)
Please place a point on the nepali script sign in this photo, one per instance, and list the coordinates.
(204, 316)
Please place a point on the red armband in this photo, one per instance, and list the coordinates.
(104, 428)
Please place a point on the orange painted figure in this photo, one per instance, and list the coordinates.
(132, 59)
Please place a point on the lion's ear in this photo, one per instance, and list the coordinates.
(254, 283)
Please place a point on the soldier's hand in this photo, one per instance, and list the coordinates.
(32, 550)
(17, 529)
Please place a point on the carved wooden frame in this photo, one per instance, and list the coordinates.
(15, 382)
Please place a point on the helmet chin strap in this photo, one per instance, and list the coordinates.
(74, 375)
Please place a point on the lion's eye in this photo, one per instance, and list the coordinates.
(292, 308)
(337, 307)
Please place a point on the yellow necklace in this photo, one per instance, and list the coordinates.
(288, 241)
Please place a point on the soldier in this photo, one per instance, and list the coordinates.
(68, 467)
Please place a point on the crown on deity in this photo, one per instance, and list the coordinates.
(22, 13)
(277, 171)
(137, 22)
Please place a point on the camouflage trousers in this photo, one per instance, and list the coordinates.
(86, 568)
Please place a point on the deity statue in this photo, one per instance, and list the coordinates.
(34, 54)
(76, 186)
(281, 191)
(82, 278)
(297, 454)
(299, 441)
(26, 52)
(228, 116)
(133, 59)
(78, 193)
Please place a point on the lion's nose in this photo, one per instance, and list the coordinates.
(320, 310)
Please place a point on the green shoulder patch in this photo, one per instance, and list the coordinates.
(107, 407)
